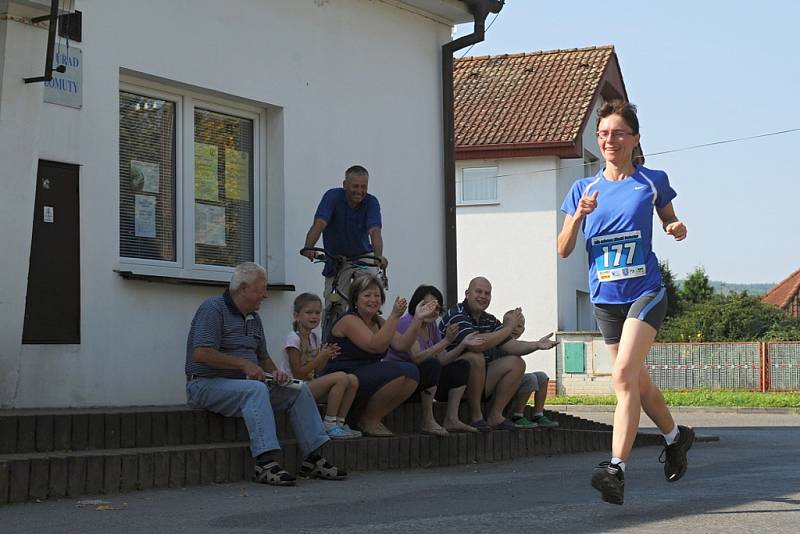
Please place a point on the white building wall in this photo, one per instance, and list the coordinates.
(346, 82)
(513, 244)
(572, 271)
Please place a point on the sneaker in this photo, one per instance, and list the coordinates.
(356, 433)
(545, 422)
(674, 456)
(523, 422)
(320, 468)
(609, 480)
(340, 432)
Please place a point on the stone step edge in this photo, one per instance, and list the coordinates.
(76, 430)
(56, 475)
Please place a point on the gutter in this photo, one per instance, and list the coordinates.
(479, 9)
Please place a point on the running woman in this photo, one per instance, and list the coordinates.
(614, 209)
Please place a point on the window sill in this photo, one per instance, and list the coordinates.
(478, 203)
(129, 275)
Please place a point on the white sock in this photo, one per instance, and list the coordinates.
(340, 420)
(618, 462)
(517, 414)
(330, 421)
(538, 414)
(672, 436)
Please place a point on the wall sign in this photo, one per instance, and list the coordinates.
(66, 89)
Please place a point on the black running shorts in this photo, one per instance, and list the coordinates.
(650, 308)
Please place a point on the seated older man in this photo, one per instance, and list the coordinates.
(496, 371)
(226, 366)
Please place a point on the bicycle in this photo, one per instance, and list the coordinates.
(338, 301)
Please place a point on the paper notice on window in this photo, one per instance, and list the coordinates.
(237, 174)
(209, 225)
(205, 172)
(145, 216)
(145, 176)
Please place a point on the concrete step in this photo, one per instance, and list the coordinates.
(49, 475)
(46, 454)
(24, 431)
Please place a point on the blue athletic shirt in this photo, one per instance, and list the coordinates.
(619, 233)
(347, 231)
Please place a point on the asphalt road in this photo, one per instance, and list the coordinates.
(749, 481)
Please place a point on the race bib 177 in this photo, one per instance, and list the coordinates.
(618, 256)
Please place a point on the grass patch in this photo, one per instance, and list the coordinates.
(702, 397)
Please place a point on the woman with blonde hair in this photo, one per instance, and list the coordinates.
(364, 337)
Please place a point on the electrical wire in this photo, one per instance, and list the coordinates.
(662, 152)
(484, 32)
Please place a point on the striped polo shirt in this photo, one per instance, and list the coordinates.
(461, 315)
(219, 324)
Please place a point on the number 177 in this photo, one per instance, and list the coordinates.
(617, 249)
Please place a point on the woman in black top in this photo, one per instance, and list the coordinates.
(364, 337)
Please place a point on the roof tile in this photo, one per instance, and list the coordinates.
(539, 97)
(782, 294)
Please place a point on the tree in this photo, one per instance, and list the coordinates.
(673, 297)
(734, 317)
(696, 288)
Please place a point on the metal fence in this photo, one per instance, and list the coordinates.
(783, 359)
(752, 366)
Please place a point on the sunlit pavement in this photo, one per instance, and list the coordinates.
(749, 481)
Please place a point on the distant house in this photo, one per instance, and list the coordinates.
(525, 128)
(786, 295)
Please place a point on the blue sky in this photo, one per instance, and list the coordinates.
(700, 72)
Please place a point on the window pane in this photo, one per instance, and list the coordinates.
(223, 188)
(479, 184)
(146, 177)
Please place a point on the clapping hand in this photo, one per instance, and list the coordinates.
(328, 351)
(426, 310)
(545, 343)
(452, 333)
(473, 340)
(399, 308)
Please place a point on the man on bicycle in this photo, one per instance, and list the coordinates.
(349, 220)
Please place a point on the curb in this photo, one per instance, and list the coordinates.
(584, 408)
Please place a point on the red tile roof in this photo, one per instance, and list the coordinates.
(535, 99)
(784, 292)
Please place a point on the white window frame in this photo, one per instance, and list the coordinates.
(480, 202)
(186, 101)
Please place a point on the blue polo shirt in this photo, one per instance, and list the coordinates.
(347, 230)
(619, 233)
(220, 325)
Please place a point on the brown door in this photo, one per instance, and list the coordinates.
(53, 303)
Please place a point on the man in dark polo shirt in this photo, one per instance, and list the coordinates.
(349, 220)
(495, 367)
(226, 366)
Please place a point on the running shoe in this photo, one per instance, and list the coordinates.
(674, 456)
(609, 480)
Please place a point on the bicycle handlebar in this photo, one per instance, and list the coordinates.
(363, 260)
(321, 255)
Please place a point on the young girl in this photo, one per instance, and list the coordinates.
(307, 359)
